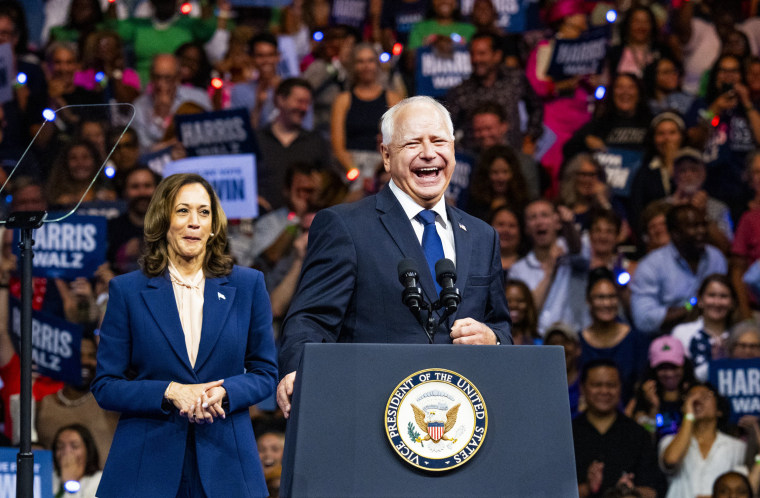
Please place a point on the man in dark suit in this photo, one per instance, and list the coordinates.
(349, 289)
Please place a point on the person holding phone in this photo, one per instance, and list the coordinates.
(726, 125)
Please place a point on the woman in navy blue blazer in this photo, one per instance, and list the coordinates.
(186, 347)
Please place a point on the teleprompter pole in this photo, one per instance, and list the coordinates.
(26, 221)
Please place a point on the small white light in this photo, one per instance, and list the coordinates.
(456, 37)
(48, 114)
(72, 486)
(624, 277)
(110, 171)
(318, 36)
(611, 15)
(21, 78)
(99, 76)
(600, 92)
(385, 57)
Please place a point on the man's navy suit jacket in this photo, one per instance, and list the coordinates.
(349, 290)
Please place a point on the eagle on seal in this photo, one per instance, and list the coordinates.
(435, 424)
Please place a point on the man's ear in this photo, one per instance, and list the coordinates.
(386, 153)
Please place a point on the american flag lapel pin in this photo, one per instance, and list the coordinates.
(463, 227)
(220, 296)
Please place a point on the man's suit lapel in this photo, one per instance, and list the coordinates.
(160, 301)
(463, 247)
(217, 304)
(393, 217)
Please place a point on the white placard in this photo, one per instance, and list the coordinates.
(232, 176)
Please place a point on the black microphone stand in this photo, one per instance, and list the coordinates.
(26, 221)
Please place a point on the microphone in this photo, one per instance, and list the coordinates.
(446, 276)
(409, 278)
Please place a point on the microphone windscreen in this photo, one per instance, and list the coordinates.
(445, 267)
(405, 266)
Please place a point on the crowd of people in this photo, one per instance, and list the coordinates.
(626, 199)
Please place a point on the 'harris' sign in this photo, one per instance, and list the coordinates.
(739, 381)
(216, 133)
(56, 344)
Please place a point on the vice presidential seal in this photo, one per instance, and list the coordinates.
(436, 419)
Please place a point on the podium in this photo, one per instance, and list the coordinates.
(337, 441)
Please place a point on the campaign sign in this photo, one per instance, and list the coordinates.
(620, 167)
(511, 13)
(348, 12)
(459, 186)
(157, 160)
(739, 381)
(216, 133)
(56, 343)
(42, 485)
(437, 72)
(581, 56)
(68, 249)
(233, 178)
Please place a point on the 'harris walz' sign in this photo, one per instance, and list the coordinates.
(68, 249)
(437, 72)
(739, 381)
(56, 344)
(581, 56)
(216, 133)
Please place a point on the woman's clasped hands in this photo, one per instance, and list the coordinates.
(200, 403)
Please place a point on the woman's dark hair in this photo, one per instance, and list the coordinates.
(597, 275)
(530, 322)
(713, 92)
(202, 77)
(60, 181)
(688, 379)
(90, 24)
(522, 248)
(608, 111)
(92, 463)
(456, 14)
(649, 78)
(155, 259)
(481, 192)
(650, 149)
(625, 27)
(724, 407)
(14, 11)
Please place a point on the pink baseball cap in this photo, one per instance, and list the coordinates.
(666, 349)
